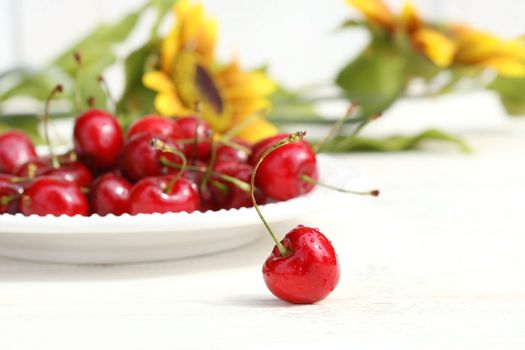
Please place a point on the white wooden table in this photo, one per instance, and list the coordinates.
(437, 262)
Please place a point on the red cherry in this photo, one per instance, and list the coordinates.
(10, 191)
(34, 167)
(151, 195)
(308, 273)
(49, 195)
(234, 197)
(140, 160)
(229, 153)
(109, 194)
(279, 175)
(70, 171)
(15, 149)
(74, 172)
(98, 139)
(188, 125)
(155, 124)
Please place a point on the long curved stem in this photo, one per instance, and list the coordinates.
(311, 180)
(295, 137)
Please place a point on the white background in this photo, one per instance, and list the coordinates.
(298, 39)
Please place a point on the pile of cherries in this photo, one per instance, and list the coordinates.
(113, 172)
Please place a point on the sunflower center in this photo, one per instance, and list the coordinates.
(207, 89)
(195, 82)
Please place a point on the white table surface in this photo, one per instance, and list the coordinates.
(437, 262)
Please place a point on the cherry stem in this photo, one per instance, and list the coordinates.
(223, 142)
(235, 145)
(244, 186)
(311, 180)
(335, 128)
(211, 164)
(164, 147)
(295, 137)
(78, 95)
(105, 87)
(54, 159)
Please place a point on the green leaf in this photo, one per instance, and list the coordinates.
(98, 44)
(511, 91)
(87, 81)
(391, 143)
(97, 54)
(376, 78)
(26, 123)
(162, 7)
(137, 99)
(35, 84)
(352, 23)
(292, 107)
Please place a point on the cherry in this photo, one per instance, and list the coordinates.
(309, 270)
(232, 196)
(162, 195)
(199, 130)
(303, 267)
(109, 194)
(98, 139)
(15, 149)
(48, 195)
(155, 124)
(74, 172)
(280, 175)
(10, 191)
(227, 152)
(140, 160)
(33, 168)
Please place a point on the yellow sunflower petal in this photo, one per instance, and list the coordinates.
(375, 11)
(196, 31)
(474, 46)
(410, 19)
(259, 129)
(158, 81)
(169, 49)
(506, 66)
(243, 108)
(253, 84)
(168, 104)
(434, 45)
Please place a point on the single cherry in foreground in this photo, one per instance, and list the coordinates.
(49, 195)
(303, 267)
(15, 149)
(309, 270)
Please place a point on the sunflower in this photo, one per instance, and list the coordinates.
(434, 45)
(189, 76)
(447, 45)
(475, 48)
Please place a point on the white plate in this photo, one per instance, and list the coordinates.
(149, 237)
